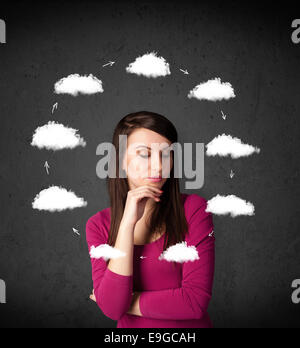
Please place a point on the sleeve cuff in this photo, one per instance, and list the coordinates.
(120, 278)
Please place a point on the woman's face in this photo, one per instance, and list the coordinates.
(148, 155)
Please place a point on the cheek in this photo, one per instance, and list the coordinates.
(167, 167)
(142, 165)
(137, 166)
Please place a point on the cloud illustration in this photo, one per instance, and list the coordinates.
(180, 252)
(56, 136)
(75, 84)
(222, 205)
(57, 198)
(149, 65)
(212, 90)
(226, 145)
(106, 252)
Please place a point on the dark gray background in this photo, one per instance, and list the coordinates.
(45, 265)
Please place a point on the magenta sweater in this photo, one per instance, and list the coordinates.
(171, 297)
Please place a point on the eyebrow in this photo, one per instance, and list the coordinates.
(150, 147)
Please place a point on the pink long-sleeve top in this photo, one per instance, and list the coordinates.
(171, 297)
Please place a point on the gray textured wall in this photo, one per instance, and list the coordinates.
(45, 265)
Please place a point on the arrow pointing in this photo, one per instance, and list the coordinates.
(184, 71)
(223, 115)
(211, 233)
(109, 63)
(54, 107)
(75, 231)
(231, 174)
(46, 165)
(143, 257)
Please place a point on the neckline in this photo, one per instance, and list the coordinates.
(155, 241)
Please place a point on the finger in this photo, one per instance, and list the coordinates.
(148, 191)
(154, 189)
(148, 187)
(142, 195)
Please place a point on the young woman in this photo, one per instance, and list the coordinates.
(147, 215)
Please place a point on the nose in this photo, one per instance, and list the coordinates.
(156, 165)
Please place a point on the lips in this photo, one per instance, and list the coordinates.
(155, 179)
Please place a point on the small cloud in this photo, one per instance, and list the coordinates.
(149, 65)
(106, 252)
(226, 145)
(56, 136)
(222, 205)
(75, 84)
(57, 198)
(180, 252)
(212, 90)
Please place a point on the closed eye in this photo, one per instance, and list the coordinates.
(143, 154)
(146, 155)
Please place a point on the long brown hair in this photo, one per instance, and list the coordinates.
(169, 211)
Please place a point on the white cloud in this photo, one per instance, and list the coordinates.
(75, 84)
(106, 252)
(212, 90)
(56, 136)
(57, 198)
(222, 205)
(149, 65)
(180, 252)
(226, 145)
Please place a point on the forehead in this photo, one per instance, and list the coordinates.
(145, 137)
